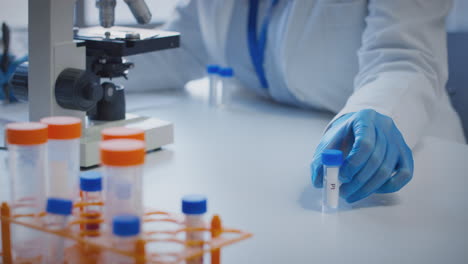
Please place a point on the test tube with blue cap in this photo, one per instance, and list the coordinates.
(194, 208)
(226, 85)
(91, 195)
(58, 212)
(125, 232)
(331, 160)
(212, 71)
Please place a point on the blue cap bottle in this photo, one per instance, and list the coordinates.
(91, 181)
(126, 225)
(332, 157)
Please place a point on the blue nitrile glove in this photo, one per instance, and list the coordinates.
(378, 159)
(5, 77)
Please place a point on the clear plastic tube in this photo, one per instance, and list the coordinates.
(332, 160)
(64, 168)
(194, 208)
(91, 193)
(64, 156)
(226, 86)
(58, 212)
(27, 166)
(125, 232)
(123, 190)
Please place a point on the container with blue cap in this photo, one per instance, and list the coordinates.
(331, 160)
(58, 211)
(125, 232)
(194, 208)
(91, 196)
(227, 85)
(212, 71)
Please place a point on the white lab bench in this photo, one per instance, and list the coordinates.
(252, 161)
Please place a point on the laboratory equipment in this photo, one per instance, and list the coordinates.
(64, 155)
(157, 235)
(194, 208)
(227, 86)
(91, 196)
(125, 230)
(27, 162)
(58, 213)
(122, 167)
(67, 67)
(212, 71)
(331, 160)
(123, 133)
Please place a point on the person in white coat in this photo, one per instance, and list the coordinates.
(380, 65)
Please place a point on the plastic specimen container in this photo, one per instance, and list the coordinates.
(227, 86)
(122, 167)
(125, 232)
(27, 166)
(123, 133)
(64, 155)
(91, 195)
(331, 160)
(194, 208)
(58, 212)
(212, 73)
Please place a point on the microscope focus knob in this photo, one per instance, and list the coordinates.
(77, 89)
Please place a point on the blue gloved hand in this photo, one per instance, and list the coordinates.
(5, 77)
(378, 159)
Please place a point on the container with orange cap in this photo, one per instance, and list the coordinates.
(123, 133)
(27, 165)
(64, 156)
(122, 162)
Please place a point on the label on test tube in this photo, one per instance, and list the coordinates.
(331, 160)
(333, 187)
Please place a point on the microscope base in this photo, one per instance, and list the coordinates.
(158, 133)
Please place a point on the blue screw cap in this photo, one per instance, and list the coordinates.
(126, 225)
(194, 204)
(226, 72)
(212, 68)
(332, 157)
(59, 206)
(91, 181)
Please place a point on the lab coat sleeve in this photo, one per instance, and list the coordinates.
(173, 68)
(402, 63)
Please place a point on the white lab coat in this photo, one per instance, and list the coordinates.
(335, 55)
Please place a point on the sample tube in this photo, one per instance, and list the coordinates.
(212, 72)
(194, 208)
(125, 232)
(122, 161)
(123, 133)
(331, 160)
(64, 156)
(91, 192)
(227, 86)
(27, 165)
(58, 211)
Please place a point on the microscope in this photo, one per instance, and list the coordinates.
(71, 71)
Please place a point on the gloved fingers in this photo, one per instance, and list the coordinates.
(370, 168)
(331, 140)
(362, 149)
(317, 174)
(403, 175)
(381, 176)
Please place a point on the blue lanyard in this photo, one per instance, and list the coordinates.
(257, 45)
